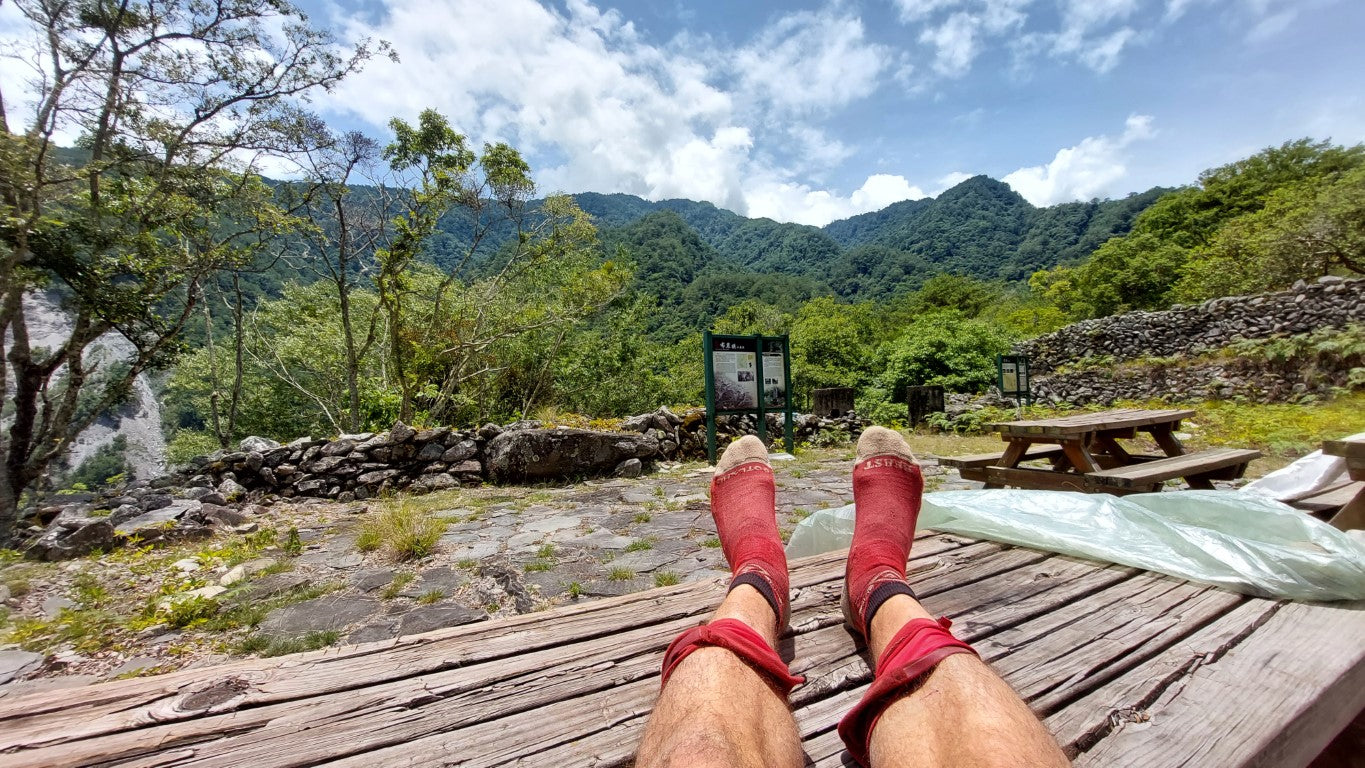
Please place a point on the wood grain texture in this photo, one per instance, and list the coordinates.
(1094, 649)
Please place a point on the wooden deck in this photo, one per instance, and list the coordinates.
(1126, 668)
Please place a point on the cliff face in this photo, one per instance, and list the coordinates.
(139, 420)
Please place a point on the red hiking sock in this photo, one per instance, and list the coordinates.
(741, 640)
(887, 491)
(742, 502)
(917, 648)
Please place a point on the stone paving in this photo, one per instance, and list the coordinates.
(505, 550)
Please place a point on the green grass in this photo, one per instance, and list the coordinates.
(712, 542)
(268, 647)
(466, 563)
(575, 590)
(400, 582)
(251, 613)
(401, 530)
(666, 578)
(431, 596)
(537, 565)
(620, 574)
(546, 551)
(642, 517)
(641, 545)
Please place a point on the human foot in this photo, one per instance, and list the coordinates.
(887, 486)
(744, 506)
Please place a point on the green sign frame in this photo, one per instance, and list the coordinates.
(747, 375)
(1012, 377)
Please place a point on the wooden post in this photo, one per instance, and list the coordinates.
(832, 402)
(923, 401)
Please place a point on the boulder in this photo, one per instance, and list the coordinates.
(401, 433)
(431, 452)
(17, 663)
(546, 454)
(461, 451)
(231, 490)
(256, 444)
(73, 535)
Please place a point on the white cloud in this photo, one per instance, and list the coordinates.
(916, 10)
(955, 43)
(949, 181)
(1082, 172)
(790, 201)
(810, 62)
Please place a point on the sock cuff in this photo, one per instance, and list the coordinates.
(880, 594)
(738, 638)
(765, 588)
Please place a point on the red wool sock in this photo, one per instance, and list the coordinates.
(917, 648)
(743, 504)
(887, 491)
(741, 640)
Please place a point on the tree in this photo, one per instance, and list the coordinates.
(947, 350)
(172, 100)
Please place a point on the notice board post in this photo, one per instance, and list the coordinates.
(747, 375)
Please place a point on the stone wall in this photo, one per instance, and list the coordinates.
(1331, 302)
(1235, 379)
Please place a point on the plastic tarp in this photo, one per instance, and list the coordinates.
(1314, 472)
(1240, 541)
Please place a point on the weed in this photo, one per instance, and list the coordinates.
(659, 491)
(546, 551)
(642, 517)
(293, 545)
(800, 514)
(713, 542)
(267, 646)
(641, 545)
(403, 531)
(666, 578)
(10, 556)
(575, 590)
(537, 565)
(189, 612)
(431, 596)
(400, 582)
(466, 563)
(620, 574)
(88, 591)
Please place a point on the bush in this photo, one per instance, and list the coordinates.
(947, 350)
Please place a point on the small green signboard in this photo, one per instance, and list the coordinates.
(747, 375)
(1012, 377)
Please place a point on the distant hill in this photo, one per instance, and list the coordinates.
(981, 228)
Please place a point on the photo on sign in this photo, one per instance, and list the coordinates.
(774, 382)
(734, 378)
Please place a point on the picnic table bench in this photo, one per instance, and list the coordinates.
(1085, 454)
(1127, 668)
(1352, 512)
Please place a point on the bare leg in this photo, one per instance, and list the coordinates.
(717, 711)
(962, 713)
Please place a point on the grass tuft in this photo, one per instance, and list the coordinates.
(402, 531)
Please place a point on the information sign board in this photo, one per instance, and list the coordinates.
(747, 375)
(1012, 377)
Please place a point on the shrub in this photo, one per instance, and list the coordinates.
(402, 531)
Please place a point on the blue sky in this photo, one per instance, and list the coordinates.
(812, 111)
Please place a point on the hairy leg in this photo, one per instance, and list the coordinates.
(933, 702)
(717, 711)
(716, 708)
(961, 713)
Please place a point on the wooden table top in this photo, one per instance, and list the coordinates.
(1085, 423)
(1347, 449)
(1127, 668)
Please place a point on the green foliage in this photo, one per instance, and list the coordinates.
(431, 596)
(666, 578)
(188, 612)
(620, 574)
(108, 462)
(400, 582)
(947, 350)
(641, 545)
(293, 544)
(268, 647)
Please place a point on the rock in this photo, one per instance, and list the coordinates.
(629, 468)
(641, 423)
(71, 535)
(371, 633)
(377, 476)
(277, 584)
(197, 493)
(310, 487)
(203, 593)
(432, 617)
(339, 447)
(431, 452)
(224, 517)
(447, 580)
(17, 663)
(235, 574)
(401, 433)
(543, 454)
(351, 560)
(321, 614)
(489, 431)
(53, 606)
(155, 501)
(255, 444)
(133, 666)
(4, 592)
(369, 581)
(123, 513)
(158, 520)
(466, 468)
(188, 565)
(436, 482)
(231, 490)
(427, 435)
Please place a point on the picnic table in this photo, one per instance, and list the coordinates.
(1085, 454)
(1352, 513)
(1126, 668)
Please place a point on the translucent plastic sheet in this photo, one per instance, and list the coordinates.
(1240, 541)
(1314, 472)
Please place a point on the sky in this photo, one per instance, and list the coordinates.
(819, 110)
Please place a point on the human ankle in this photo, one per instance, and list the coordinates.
(886, 490)
(744, 507)
(888, 620)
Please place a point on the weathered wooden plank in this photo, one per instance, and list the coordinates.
(1344, 448)
(1043, 479)
(1037, 451)
(1085, 721)
(1276, 699)
(1068, 426)
(1190, 465)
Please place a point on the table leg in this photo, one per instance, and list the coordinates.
(1080, 458)
(1162, 434)
(1111, 446)
(1352, 515)
(1011, 458)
